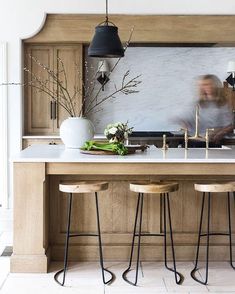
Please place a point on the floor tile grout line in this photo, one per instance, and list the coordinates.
(200, 274)
(142, 269)
(3, 283)
(165, 284)
(166, 290)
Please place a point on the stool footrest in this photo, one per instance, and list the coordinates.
(83, 235)
(214, 234)
(149, 235)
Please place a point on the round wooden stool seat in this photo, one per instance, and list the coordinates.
(215, 187)
(154, 187)
(82, 187)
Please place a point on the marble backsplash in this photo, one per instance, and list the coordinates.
(168, 85)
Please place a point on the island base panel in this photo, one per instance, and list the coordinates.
(40, 216)
(117, 210)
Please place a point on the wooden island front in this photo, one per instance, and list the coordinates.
(40, 209)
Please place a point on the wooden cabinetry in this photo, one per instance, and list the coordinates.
(48, 141)
(42, 115)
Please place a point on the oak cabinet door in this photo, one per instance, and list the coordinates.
(42, 115)
(37, 110)
(70, 75)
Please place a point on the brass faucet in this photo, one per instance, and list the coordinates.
(207, 137)
(164, 145)
(185, 137)
(196, 136)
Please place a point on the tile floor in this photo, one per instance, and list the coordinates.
(6, 228)
(84, 278)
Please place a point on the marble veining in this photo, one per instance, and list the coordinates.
(168, 85)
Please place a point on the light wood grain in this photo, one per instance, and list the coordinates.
(148, 28)
(117, 212)
(83, 187)
(215, 187)
(37, 105)
(33, 141)
(148, 252)
(186, 169)
(157, 187)
(30, 218)
(72, 57)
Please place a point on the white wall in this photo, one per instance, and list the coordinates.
(3, 127)
(22, 18)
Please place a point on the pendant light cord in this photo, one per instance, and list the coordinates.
(107, 16)
(106, 21)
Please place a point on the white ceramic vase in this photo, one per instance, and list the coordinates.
(75, 131)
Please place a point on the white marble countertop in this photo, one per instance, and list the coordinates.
(102, 136)
(96, 137)
(58, 153)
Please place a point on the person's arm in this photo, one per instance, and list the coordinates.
(218, 134)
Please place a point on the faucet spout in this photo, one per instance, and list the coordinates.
(197, 135)
(185, 137)
(207, 137)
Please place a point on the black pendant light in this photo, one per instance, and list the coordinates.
(106, 42)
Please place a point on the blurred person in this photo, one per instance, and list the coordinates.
(215, 112)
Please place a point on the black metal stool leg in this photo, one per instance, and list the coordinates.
(139, 239)
(199, 239)
(133, 242)
(178, 276)
(66, 244)
(208, 237)
(100, 245)
(164, 227)
(230, 233)
(207, 244)
(139, 208)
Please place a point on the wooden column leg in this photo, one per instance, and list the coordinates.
(30, 229)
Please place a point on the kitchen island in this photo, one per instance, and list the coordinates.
(40, 209)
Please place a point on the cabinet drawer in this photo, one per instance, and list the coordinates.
(48, 141)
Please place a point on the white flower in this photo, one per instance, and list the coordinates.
(118, 124)
(126, 135)
(106, 132)
(112, 131)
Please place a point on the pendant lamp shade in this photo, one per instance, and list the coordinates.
(106, 43)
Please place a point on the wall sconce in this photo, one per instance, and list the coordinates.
(231, 78)
(103, 68)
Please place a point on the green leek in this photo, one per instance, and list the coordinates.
(118, 148)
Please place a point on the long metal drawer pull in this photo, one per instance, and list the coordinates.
(51, 110)
(54, 110)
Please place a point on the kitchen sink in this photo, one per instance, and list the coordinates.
(222, 147)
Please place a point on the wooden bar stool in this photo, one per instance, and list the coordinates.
(163, 189)
(76, 188)
(212, 188)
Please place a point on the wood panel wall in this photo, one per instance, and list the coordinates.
(117, 211)
(147, 28)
